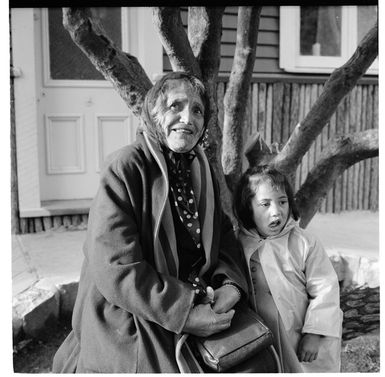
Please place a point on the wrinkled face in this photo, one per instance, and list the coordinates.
(181, 116)
(270, 209)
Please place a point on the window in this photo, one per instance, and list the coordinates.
(67, 61)
(318, 39)
(64, 63)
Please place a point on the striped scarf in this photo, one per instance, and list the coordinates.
(166, 255)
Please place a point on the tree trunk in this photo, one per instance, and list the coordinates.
(121, 69)
(199, 53)
(204, 32)
(336, 88)
(339, 155)
(170, 28)
(238, 91)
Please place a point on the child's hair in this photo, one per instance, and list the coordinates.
(246, 188)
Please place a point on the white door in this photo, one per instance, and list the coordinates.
(81, 118)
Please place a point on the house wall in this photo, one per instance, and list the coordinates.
(267, 55)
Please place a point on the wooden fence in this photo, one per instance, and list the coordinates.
(40, 224)
(274, 109)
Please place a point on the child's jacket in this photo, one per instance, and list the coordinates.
(303, 286)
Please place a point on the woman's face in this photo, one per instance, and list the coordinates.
(270, 207)
(181, 116)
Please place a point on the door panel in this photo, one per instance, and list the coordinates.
(112, 132)
(82, 118)
(65, 144)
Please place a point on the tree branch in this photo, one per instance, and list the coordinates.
(258, 152)
(339, 155)
(170, 28)
(340, 83)
(120, 68)
(237, 92)
(204, 34)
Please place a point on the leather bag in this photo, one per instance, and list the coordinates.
(246, 336)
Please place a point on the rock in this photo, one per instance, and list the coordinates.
(361, 311)
(353, 313)
(17, 328)
(36, 308)
(68, 292)
(356, 271)
(354, 304)
(371, 318)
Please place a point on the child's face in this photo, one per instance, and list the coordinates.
(270, 209)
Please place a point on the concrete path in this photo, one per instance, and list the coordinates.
(54, 255)
(352, 233)
(46, 266)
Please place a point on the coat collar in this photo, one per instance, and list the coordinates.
(251, 239)
(162, 216)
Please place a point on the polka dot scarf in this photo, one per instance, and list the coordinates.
(179, 165)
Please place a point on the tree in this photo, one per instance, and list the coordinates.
(198, 52)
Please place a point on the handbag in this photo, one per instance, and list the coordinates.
(246, 337)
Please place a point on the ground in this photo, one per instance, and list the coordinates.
(360, 354)
(35, 356)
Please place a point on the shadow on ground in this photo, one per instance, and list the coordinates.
(36, 355)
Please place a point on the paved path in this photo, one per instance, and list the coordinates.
(351, 233)
(53, 255)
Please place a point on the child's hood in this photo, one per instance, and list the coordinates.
(251, 239)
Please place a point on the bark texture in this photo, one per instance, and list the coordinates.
(168, 22)
(258, 152)
(238, 91)
(204, 33)
(339, 155)
(340, 83)
(120, 68)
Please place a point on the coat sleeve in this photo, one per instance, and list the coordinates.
(120, 270)
(323, 315)
(231, 263)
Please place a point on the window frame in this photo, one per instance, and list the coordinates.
(50, 82)
(290, 59)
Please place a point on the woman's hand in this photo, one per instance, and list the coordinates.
(308, 347)
(209, 298)
(203, 321)
(225, 298)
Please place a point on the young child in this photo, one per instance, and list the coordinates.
(292, 282)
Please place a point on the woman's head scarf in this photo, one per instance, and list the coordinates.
(152, 127)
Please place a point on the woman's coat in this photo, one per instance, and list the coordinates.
(304, 287)
(131, 308)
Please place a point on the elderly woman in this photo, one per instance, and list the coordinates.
(156, 233)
